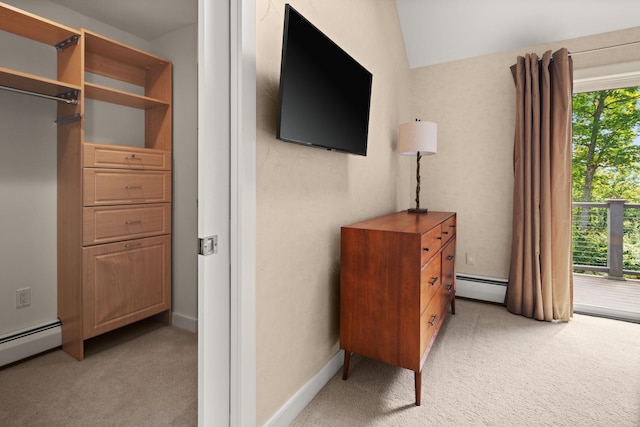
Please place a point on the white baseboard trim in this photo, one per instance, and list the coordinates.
(184, 322)
(30, 342)
(481, 288)
(292, 408)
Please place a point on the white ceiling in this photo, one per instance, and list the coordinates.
(147, 19)
(434, 31)
(438, 31)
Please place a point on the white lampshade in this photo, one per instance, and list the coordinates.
(418, 137)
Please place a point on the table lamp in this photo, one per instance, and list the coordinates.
(418, 138)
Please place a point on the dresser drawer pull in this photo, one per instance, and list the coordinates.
(452, 226)
(449, 287)
(450, 257)
(136, 221)
(132, 245)
(425, 249)
(433, 281)
(132, 157)
(445, 232)
(439, 237)
(433, 319)
(129, 187)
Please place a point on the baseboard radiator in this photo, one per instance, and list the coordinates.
(481, 288)
(29, 342)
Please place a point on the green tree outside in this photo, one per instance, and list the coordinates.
(606, 165)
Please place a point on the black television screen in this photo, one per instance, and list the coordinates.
(324, 93)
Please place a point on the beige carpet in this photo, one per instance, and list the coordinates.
(141, 375)
(491, 368)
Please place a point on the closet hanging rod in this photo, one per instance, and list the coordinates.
(597, 49)
(40, 95)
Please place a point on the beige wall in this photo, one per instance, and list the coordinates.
(472, 100)
(305, 194)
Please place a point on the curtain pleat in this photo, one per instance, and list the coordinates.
(541, 277)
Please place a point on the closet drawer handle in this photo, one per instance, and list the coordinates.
(132, 156)
(132, 245)
(425, 249)
(433, 319)
(136, 221)
(445, 232)
(449, 287)
(129, 187)
(439, 238)
(433, 281)
(450, 257)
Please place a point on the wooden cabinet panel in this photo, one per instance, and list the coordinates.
(393, 299)
(110, 187)
(115, 223)
(120, 157)
(125, 282)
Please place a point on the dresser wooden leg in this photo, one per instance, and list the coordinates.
(418, 378)
(345, 367)
(453, 305)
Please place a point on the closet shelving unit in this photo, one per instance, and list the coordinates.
(62, 38)
(114, 201)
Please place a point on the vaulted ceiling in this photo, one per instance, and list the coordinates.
(435, 31)
(438, 31)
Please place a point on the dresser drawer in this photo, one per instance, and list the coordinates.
(430, 281)
(113, 187)
(431, 241)
(111, 224)
(123, 157)
(430, 320)
(448, 266)
(448, 229)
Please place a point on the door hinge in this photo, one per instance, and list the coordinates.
(208, 245)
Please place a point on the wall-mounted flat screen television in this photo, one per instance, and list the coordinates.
(325, 94)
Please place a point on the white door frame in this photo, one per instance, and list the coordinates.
(226, 209)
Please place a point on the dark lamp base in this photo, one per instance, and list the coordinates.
(418, 211)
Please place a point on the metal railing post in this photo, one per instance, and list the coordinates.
(614, 253)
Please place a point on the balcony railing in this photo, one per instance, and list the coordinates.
(606, 238)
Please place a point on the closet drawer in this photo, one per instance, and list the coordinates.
(111, 224)
(113, 187)
(431, 242)
(123, 157)
(125, 282)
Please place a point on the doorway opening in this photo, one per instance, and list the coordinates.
(606, 197)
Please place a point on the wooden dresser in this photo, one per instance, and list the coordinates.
(397, 280)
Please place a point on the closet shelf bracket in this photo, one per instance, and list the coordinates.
(67, 42)
(69, 119)
(70, 97)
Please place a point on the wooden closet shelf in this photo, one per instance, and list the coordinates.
(27, 25)
(120, 52)
(114, 96)
(32, 83)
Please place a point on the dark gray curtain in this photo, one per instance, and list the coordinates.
(541, 278)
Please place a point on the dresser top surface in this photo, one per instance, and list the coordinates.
(404, 222)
